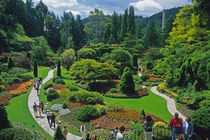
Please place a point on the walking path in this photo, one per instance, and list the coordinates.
(43, 120)
(170, 102)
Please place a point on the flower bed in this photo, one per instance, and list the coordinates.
(65, 92)
(59, 87)
(162, 87)
(75, 104)
(108, 123)
(12, 87)
(142, 92)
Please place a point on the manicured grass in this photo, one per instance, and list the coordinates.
(152, 104)
(18, 111)
(42, 72)
(64, 73)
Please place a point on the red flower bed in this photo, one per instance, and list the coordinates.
(108, 123)
(5, 99)
(75, 104)
(142, 92)
(59, 87)
(129, 115)
(12, 87)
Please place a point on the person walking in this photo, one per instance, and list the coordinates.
(40, 109)
(35, 109)
(48, 116)
(42, 103)
(120, 134)
(34, 84)
(52, 120)
(83, 131)
(37, 89)
(47, 107)
(175, 126)
(65, 131)
(148, 128)
(188, 128)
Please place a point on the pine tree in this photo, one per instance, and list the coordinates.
(135, 60)
(59, 68)
(35, 69)
(139, 31)
(10, 63)
(124, 28)
(142, 115)
(114, 28)
(131, 21)
(4, 122)
(59, 135)
(127, 85)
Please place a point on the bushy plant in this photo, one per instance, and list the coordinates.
(64, 105)
(10, 63)
(82, 82)
(47, 86)
(59, 68)
(142, 115)
(17, 71)
(201, 120)
(160, 124)
(114, 90)
(161, 133)
(56, 107)
(52, 94)
(59, 81)
(144, 77)
(4, 122)
(102, 111)
(73, 88)
(87, 113)
(58, 134)
(115, 107)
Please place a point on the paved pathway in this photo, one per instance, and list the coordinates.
(43, 121)
(170, 102)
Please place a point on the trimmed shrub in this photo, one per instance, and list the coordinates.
(35, 69)
(17, 71)
(201, 120)
(47, 86)
(82, 82)
(115, 107)
(4, 122)
(10, 63)
(73, 88)
(144, 77)
(58, 134)
(59, 68)
(64, 105)
(59, 81)
(52, 94)
(87, 113)
(114, 90)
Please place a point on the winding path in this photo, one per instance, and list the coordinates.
(43, 120)
(170, 102)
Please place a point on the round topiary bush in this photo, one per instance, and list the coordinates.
(47, 86)
(73, 88)
(59, 81)
(201, 120)
(52, 94)
(144, 77)
(114, 90)
(87, 113)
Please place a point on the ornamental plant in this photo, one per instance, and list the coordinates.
(87, 113)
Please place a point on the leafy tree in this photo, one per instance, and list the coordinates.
(58, 134)
(201, 121)
(10, 63)
(86, 53)
(59, 68)
(35, 69)
(127, 85)
(68, 58)
(4, 122)
(87, 113)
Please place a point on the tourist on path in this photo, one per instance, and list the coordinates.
(34, 84)
(37, 88)
(83, 131)
(35, 108)
(47, 107)
(119, 134)
(65, 131)
(60, 124)
(148, 128)
(52, 120)
(88, 137)
(175, 126)
(40, 109)
(42, 103)
(188, 128)
(48, 116)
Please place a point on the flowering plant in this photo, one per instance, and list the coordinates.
(12, 87)
(22, 88)
(59, 87)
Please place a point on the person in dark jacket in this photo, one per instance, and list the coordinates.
(188, 128)
(148, 128)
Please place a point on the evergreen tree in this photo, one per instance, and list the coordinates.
(142, 115)
(59, 69)
(124, 28)
(58, 134)
(127, 85)
(4, 122)
(131, 21)
(111, 39)
(10, 63)
(35, 69)
(114, 28)
(135, 60)
(139, 31)
(151, 36)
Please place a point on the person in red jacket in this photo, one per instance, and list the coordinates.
(175, 126)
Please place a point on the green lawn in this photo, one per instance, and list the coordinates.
(152, 104)
(64, 73)
(18, 111)
(42, 72)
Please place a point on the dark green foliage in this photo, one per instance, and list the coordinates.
(10, 63)
(135, 60)
(64, 105)
(86, 53)
(144, 77)
(114, 90)
(127, 85)
(58, 134)
(131, 20)
(52, 94)
(161, 133)
(59, 68)
(142, 115)
(47, 86)
(4, 122)
(73, 88)
(87, 98)
(59, 81)
(16, 134)
(101, 85)
(201, 120)
(35, 69)
(102, 111)
(87, 113)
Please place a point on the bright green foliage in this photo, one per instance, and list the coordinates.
(142, 115)
(59, 68)
(58, 134)
(201, 120)
(35, 69)
(91, 70)
(59, 81)
(127, 84)
(68, 58)
(4, 122)
(86, 53)
(87, 113)
(10, 63)
(52, 94)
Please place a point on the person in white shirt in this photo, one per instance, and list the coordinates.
(47, 107)
(83, 131)
(119, 134)
(188, 129)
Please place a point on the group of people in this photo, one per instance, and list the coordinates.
(38, 108)
(37, 85)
